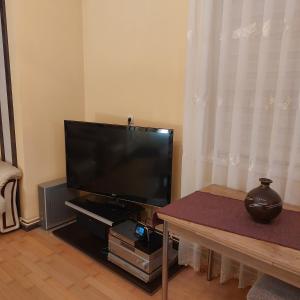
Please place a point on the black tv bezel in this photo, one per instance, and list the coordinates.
(128, 127)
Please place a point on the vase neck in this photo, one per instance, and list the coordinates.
(265, 182)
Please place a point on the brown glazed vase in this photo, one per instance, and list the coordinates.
(263, 203)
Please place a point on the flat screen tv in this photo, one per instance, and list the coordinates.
(124, 162)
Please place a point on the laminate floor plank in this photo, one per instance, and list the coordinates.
(14, 291)
(45, 288)
(33, 267)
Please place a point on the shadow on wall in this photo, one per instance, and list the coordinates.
(177, 142)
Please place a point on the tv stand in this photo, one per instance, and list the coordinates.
(89, 233)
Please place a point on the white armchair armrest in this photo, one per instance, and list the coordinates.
(9, 175)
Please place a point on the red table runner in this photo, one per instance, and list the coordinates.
(230, 215)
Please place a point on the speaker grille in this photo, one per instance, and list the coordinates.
(52, 197)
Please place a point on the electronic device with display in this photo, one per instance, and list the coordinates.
(122, 162)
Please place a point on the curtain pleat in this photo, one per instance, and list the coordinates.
(255, 167)
(292, 190)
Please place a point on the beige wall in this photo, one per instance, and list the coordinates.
(134, 54)
(45, 38)
(98, 60)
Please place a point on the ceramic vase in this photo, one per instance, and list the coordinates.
(263, 203)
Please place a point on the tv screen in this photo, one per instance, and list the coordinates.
(126, 162)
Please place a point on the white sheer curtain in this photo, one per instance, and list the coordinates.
(242, 106)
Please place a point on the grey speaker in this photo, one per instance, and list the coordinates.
(52, 197)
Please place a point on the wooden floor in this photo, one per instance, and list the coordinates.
(37, 265)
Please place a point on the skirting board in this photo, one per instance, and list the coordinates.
(29, 225)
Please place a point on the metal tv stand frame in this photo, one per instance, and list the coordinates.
(103, 209)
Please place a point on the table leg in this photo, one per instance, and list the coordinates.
(165, 262)
(210, 264)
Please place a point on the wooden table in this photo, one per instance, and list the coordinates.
(269, 258)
